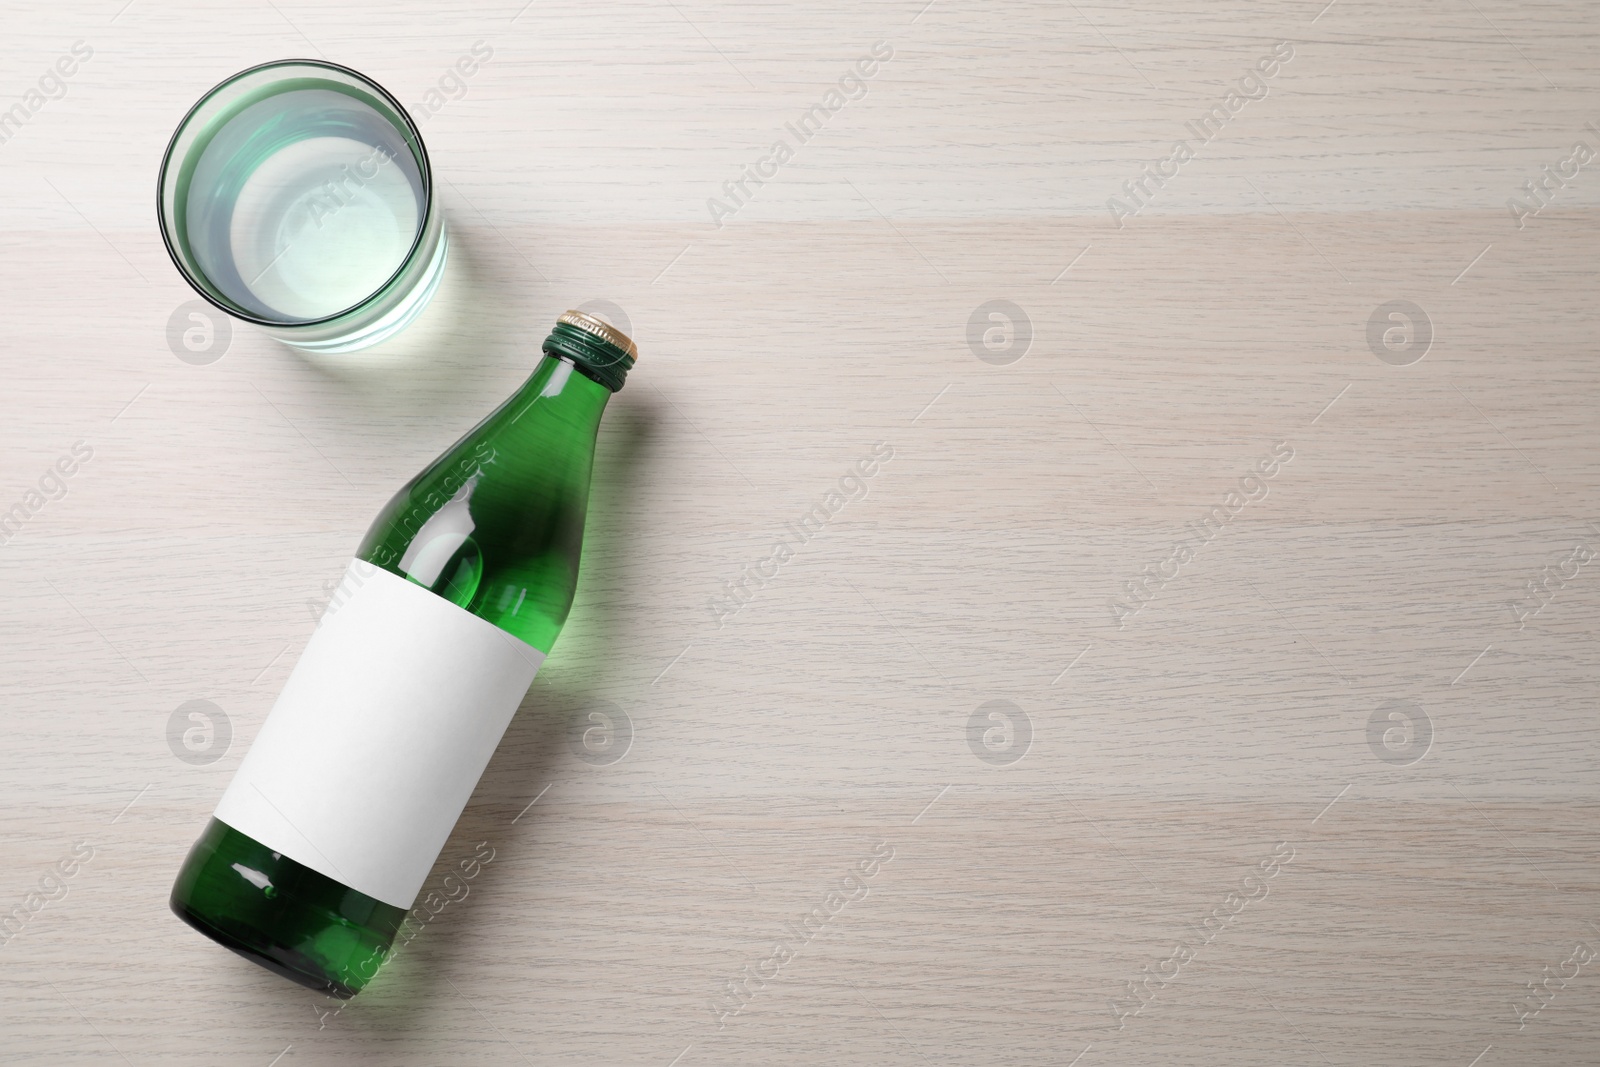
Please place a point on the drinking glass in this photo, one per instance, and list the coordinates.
(297, 196)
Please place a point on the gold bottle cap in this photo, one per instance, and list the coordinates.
(601, 329)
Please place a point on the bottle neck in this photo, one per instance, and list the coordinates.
(600, 351)
(557, 389)
(495, 524)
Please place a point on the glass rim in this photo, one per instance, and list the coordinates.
(413, 136)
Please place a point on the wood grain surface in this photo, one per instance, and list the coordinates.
(1327, 796)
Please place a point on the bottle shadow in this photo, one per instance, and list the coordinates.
(544, 745)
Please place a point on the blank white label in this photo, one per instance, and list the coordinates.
(380, 735)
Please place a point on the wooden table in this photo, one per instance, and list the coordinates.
(1209, 677)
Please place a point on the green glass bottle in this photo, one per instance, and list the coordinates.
(323, 839)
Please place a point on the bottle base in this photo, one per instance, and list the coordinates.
(282, 915)
(301, 971)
